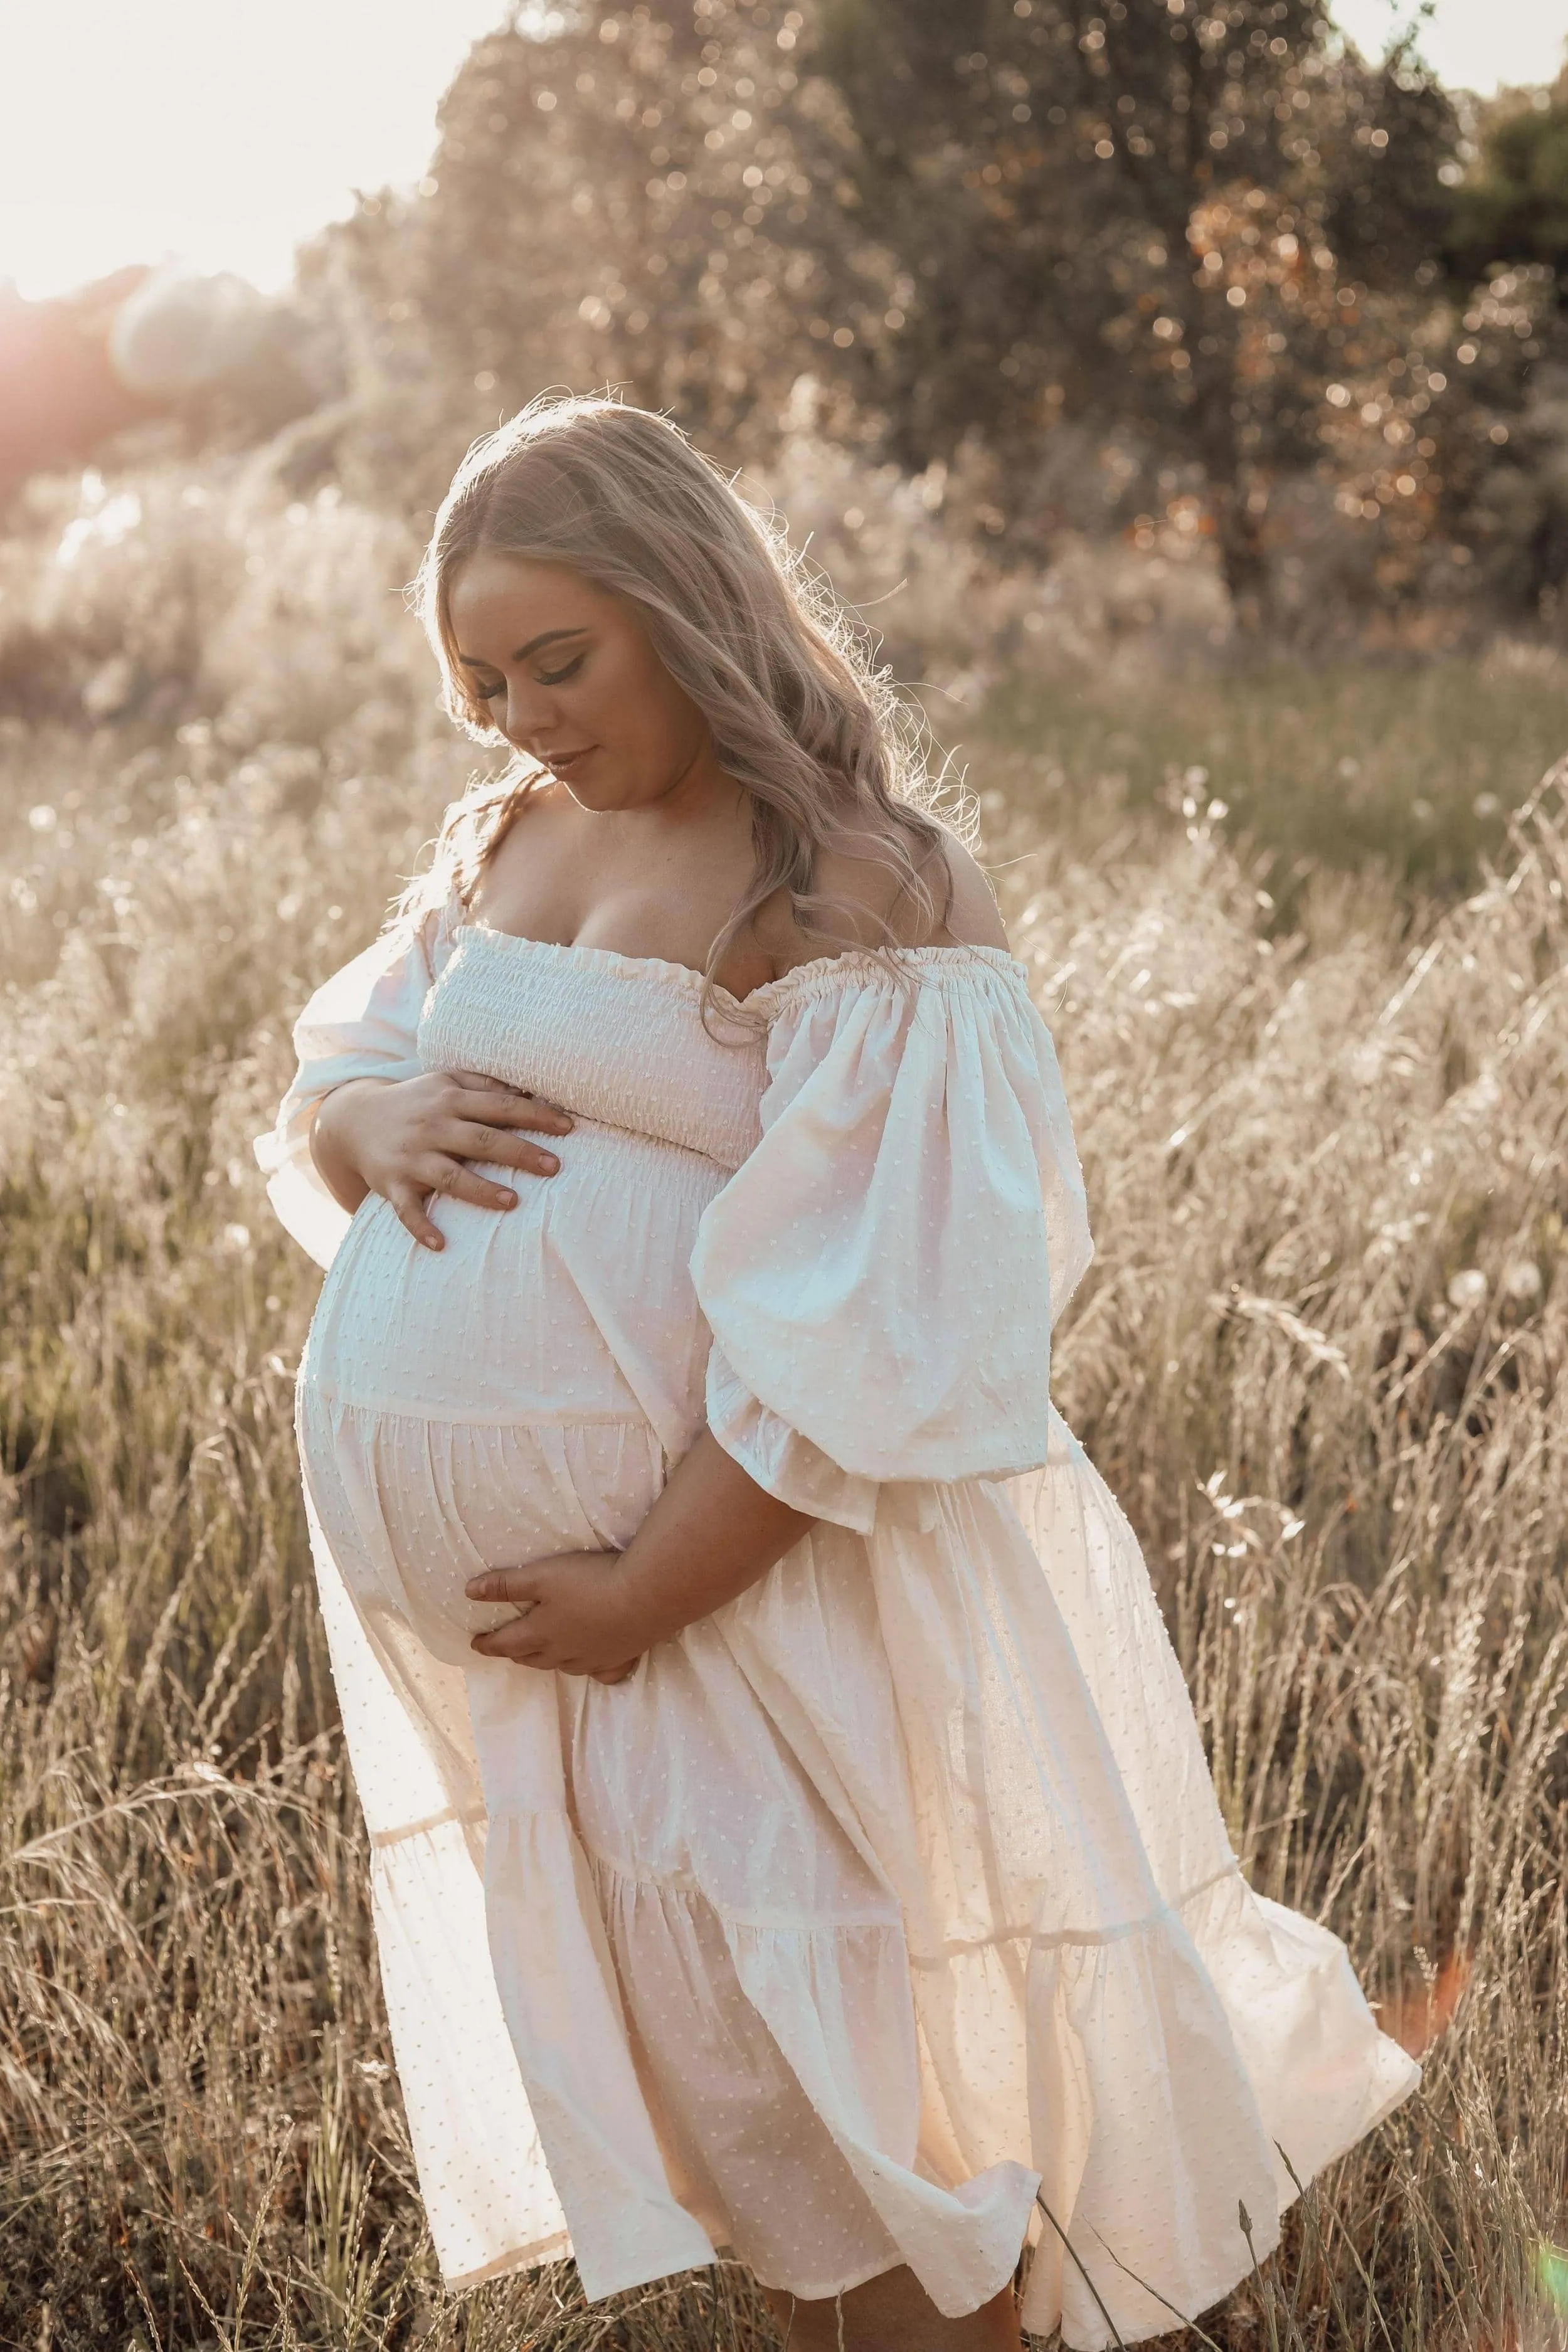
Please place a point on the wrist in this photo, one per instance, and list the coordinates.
(331, 1148)
(641, 1613)
(335, 1109)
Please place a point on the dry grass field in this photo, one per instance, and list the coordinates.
(1314, 1020)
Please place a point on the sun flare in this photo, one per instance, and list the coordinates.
(220, 135)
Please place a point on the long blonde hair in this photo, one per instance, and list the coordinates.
(799, 716)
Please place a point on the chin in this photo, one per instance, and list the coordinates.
(601, 798)
(605, 793)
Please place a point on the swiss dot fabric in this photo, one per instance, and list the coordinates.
(895, 1891)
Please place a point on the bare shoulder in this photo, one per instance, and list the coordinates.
(973, 918)
(960, 910)
(869, 897)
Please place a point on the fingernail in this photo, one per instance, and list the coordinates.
(550, 1162)
(509, 1200)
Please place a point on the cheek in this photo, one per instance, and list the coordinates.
(636, 705)
(614, 699)
(674, 720)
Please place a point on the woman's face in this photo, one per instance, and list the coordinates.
(570, 677)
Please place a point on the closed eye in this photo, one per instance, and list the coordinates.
(558, 676)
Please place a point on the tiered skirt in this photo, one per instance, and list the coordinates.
(884, 1917)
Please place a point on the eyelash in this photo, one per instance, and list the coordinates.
(552, 677)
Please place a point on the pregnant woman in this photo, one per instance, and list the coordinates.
(790, 1830)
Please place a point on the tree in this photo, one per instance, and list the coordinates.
(1507, 250)
(624, 200)
(1512, 205)
(1170, 216)
(1210, 234)
(619, 196)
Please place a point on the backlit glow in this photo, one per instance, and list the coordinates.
(219, 133)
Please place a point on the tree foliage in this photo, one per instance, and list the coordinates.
(1513, 208)
(1204, 236)
(626, 198)
(1172, 217)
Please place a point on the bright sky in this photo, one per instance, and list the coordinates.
(223, 133)
(1479, 45)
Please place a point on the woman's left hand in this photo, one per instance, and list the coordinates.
(575, 1615)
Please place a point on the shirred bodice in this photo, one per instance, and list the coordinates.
(615, 1038)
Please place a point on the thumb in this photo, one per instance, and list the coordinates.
(512, 1584)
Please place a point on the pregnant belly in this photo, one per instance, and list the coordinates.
(412, 1509)
(575, 1306)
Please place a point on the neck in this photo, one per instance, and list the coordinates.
(698, 794)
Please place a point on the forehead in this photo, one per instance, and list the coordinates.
(498, 602)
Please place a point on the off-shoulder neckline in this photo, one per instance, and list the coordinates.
(812, 975)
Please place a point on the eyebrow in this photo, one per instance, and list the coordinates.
(549, 637)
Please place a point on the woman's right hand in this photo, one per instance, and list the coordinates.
(409, 1139)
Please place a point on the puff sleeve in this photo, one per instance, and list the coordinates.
(881, 1274)
(361, 1024)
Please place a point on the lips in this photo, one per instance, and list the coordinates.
(562, 763)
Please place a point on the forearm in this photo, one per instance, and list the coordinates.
(328, 1146)
(712, 1533)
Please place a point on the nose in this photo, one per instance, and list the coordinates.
(530, 714)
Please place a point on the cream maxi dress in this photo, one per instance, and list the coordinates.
(895, 1891)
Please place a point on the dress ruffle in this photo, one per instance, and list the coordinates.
(882, 1271)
